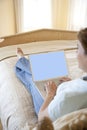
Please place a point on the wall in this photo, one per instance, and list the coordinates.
(7, 19)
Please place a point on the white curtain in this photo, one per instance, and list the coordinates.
(37, 14)
(60, 14)
(77, 14)
(18, 5)
(32, 14)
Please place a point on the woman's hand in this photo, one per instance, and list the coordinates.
(51, 88)
(64, 79)
(51, 91)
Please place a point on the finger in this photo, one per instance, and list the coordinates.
(48, 83)
(52, 83)
(45, 84)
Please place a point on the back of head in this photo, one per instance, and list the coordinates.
(82, 37)
(45, 124)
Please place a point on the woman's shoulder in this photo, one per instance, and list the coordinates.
(72, 85)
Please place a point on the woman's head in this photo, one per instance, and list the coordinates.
(82, 37)
(82, 49)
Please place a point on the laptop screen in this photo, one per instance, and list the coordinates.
(45, 66)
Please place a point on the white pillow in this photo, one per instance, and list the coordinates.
(16, 107)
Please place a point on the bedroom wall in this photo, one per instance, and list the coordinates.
(7, 19)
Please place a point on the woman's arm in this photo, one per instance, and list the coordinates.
(64, 79)
(51, 91)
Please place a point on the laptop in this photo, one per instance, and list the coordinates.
(47, 66)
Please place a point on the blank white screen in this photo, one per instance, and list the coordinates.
(48, 65)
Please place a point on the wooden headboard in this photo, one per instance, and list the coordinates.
(38, 35)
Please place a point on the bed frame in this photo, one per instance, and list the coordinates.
(38, 35)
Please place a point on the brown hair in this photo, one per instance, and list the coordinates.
(82, 37)
(45, 124)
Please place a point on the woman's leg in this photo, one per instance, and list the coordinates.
(22, 69)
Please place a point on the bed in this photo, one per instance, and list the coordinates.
(16, 107)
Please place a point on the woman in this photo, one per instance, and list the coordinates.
(68, 96)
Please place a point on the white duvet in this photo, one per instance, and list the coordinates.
(16, 107)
